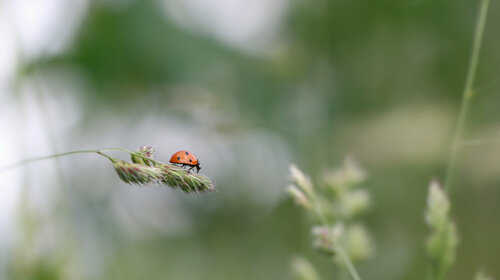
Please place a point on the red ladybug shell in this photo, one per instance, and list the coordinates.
(184, 157)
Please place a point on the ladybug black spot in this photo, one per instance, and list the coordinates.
(187, 153)
(178, 158)
(190, 160)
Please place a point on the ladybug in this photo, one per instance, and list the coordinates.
(185, 158)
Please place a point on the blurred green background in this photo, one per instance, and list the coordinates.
(249, 87)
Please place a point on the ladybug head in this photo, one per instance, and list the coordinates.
(198, 167)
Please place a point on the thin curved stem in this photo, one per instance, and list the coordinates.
(133, 153)
(29, 160)
(343, 255)
(347, 261)
(100, 152)
(467, 94)
(117, 149)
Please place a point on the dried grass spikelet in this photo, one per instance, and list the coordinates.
(143, 156)
(160, 173)
(135, 173)
(187, 181)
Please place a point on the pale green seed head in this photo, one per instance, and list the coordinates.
(442, 243)
(177, 177)
(358, 243)
(325, 238)
(134, 173)
(354, 202)
(301, 180)
(167, 174)
(302, 269)
(438, 206)
(348, 175)
(299, 197)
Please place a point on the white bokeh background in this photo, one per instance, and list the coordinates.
(40, 115)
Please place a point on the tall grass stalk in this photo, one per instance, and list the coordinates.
(339, 248)
(335, 202)
(347, 261)
(143, 170)
(468, 93)
(442, 243)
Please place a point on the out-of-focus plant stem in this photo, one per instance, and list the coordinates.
(468, 93)
(347, 261)
(339, 249)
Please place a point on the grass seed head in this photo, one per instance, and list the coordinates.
(324, 237)
(177, 177)
(301, 180)
(161, 173)
(141, 155)
(344, 178)
(438, 206)
(299, 197)
(134, 173)
(302, 269)
(354, 202)
(443, 241)
(358, 243)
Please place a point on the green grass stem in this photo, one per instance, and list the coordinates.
(339, 248)
(467, 94)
